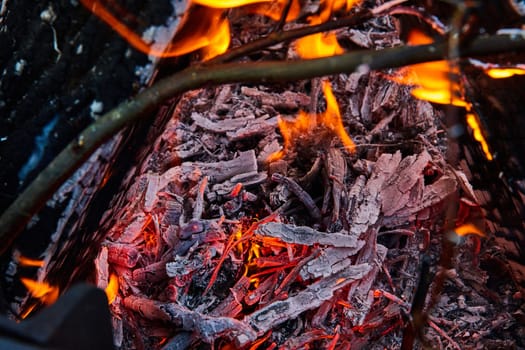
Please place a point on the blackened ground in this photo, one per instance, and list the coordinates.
(58, 74)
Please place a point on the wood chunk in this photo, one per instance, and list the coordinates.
(366, 212)
(287, 100)
(312, 297)
(306, 235)
(361, 295)
(216, 171)
(330, 261)
(206, 328)
(405, 184)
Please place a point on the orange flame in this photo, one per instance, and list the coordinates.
(318, 45)
(28, 262)
(323, 44)
(41, 290)
(473, 123)
(226, 4)
(432, 79)
(112, 288)
(211, 32)
(500, 73)
(305, 123)
(274, 9)
(206, 27)
(466, 229)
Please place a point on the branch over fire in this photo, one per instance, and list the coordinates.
(48, 181)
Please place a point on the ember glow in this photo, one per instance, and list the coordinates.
(41, 290)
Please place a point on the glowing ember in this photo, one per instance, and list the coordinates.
(112, 288)
(473, 123)
(41, 290)
(432, 79)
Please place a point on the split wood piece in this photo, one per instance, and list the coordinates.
(330, 261)
(231, 305)
(152, 273)
(226, 187)
(102, 268)
(286, 101)
(307, 236)
(404, 196)
(125, 255)
(237, 128)
(207, 328)
(335, 168)
(312, 297)
(216, 171)
(361, 295)
(365, 207)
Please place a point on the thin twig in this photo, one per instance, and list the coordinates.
(14, 219)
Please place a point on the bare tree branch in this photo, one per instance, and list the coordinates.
(14, 219)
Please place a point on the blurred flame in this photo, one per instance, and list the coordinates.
(473, 123)
(226, 4)
(207, 29)
(305, 123)
(432, 79)
(323, 44)
(28, 262)
(466, 229)
(41, 290)
(499, 73)
(274, 9)
(112, 288)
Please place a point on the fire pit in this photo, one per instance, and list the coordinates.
(323, 213)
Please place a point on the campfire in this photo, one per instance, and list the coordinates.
(314, 214)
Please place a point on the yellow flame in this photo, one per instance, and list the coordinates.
(41, 290)
(500, 73)
(473, 123)
(112, 288)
